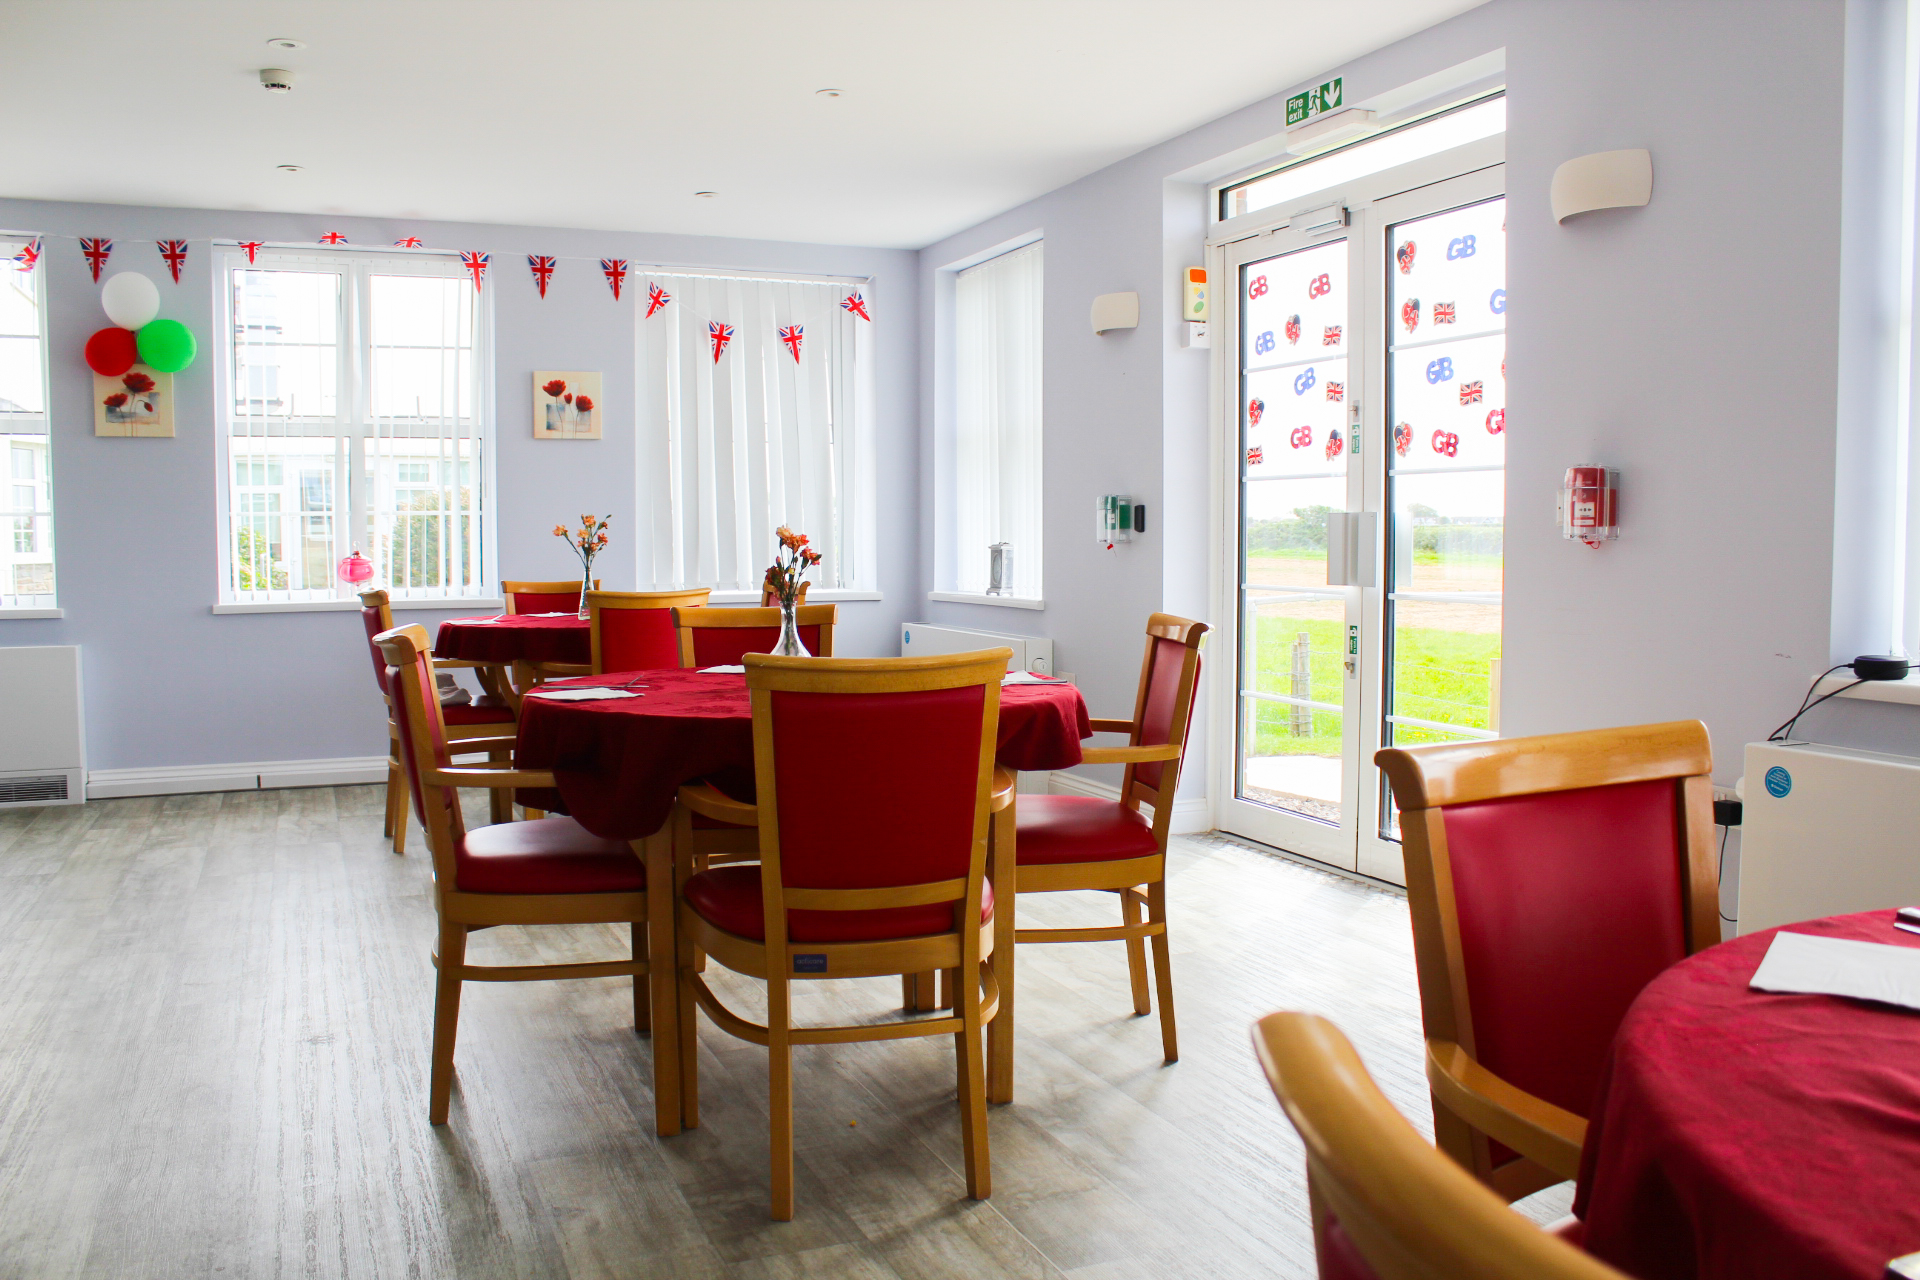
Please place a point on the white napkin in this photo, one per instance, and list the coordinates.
(590, 694)
(1802, 962)
(724, 671)
(1027, 677)
(473, 622)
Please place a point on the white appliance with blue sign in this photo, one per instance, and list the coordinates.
(1825, 831)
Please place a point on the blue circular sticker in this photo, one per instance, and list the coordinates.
(1779, 782)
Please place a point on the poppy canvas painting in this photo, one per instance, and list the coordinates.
(566, 406)
(138, 402)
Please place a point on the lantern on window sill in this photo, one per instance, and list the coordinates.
(356, 569)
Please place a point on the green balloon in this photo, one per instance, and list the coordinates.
(166, 345)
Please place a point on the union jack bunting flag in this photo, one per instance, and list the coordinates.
(476, 262)
(1469, 393)
(1331, 336)
(855, 303)
(657, 298)
(791, 335)
(1337, 391)
(97, 251)
(252, 247)
(1443, 313)
(333, 237)
(541, 264)
(175, 252)
(721, 334)
(616, 272)
(407, 242)
(29, 255)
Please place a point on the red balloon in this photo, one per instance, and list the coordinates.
(112, 351)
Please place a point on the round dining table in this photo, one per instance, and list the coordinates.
(618, 762)
(518, 637)
(1748, 1134)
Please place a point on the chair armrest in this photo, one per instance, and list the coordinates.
(1005, 782)
(563, 668)
(1129, 755)
(481, 776)
(443, 663)
(706, 799)
(1112, 726)
(1548, 1135)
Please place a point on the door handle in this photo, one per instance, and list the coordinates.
(1353, 543)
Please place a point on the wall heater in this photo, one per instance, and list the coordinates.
(1826, 830)
(1030, 653)
(42, 748)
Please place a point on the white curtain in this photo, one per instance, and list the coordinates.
(997, 331)
(731, 449)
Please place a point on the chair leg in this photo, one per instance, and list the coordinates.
(500, 799)
(687, 1043)
(1136, 952)
(949, 985)
(393, 788)
(399, 805)
(642, 995)
(968, 1053)
(446, 1019)
(780, 1097)
(1163, 969)
(918, 994)
(1005, 921)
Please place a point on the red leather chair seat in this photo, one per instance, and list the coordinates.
(1080, 829)
(729, 898)
(550, 855)
(487, 710)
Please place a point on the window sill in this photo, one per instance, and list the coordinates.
(1907, 690)
(23, 614)
(342, 606)
(1003, 602)
(813, 597)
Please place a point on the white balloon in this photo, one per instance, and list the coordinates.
(129, 299)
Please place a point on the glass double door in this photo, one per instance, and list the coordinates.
(1368, 450)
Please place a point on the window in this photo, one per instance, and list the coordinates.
(769, 432)
(358, 420)
(996, 495)
(26, 501)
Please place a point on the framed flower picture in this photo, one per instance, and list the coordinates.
(137, 403)
(566, 406)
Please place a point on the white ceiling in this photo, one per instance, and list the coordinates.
(612, 113)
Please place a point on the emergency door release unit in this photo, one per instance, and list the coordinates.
(1589, 505)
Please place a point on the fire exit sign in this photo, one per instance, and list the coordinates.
(1304, 106)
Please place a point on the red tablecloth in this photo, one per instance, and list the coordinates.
(618, 762)
(1743, 1134)
(516, 639)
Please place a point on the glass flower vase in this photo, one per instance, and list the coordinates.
(790, 646)
(586, 585)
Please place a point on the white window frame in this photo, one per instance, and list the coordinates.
(668, 484)
(354, 418)
(952, 583)
(45, 605)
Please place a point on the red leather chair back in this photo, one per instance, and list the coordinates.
(1569, 902)
(638, 639)
(525, 602)
(1164, 687)
(875, 789)
(724, 646)
(375, 624)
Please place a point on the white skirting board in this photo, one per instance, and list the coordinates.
(1190, 816)
(167, 780)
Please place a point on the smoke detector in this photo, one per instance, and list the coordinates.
(276, 80)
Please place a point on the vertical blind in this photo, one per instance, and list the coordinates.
(356, 422)
(997, 333)
(731, 449)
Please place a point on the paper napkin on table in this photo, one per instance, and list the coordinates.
(1803, 962)
(1027, 677)
(473, 621)
(724, 671)
(589, 694)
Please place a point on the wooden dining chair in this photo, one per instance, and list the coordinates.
(1549, 879)
(1075, 843)
(770, 599)
(873, 778)
(486, 717)
(1385, 1204)
(549, 871)
(718, 637)
(631, 631)
(543, 597)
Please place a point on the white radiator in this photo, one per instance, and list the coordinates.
(1030, 653)
(1826, 830)
(42, 753)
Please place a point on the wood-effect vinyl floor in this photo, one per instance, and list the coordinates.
(214, 1033)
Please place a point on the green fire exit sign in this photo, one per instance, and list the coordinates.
(1304, 106)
